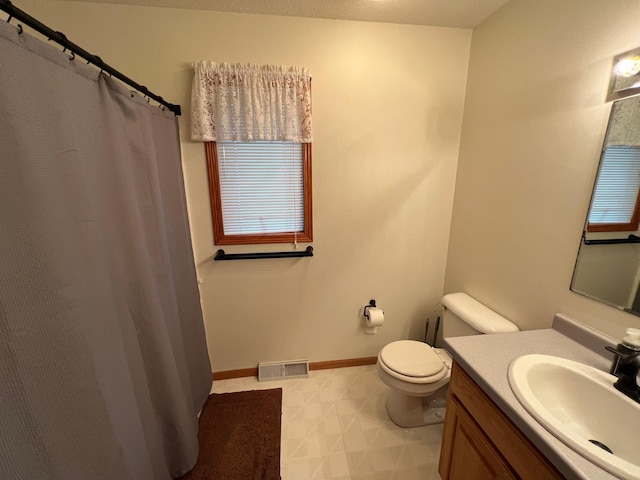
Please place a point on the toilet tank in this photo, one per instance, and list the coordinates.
(464, 315)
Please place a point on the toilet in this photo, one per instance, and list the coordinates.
(418, 374)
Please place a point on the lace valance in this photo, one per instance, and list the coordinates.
(248, 102)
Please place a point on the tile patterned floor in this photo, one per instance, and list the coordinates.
(334, 426)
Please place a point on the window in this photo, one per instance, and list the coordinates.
(614, 207)
(260, 191)
(255, 121)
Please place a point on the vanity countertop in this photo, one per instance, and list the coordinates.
(486, 359)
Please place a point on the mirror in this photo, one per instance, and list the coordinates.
(608, 263)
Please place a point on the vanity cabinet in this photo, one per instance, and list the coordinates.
(480, 442)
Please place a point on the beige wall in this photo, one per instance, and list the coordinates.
(534, 121)
(388, 102)
(387, 106)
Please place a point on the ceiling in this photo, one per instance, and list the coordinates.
(444, 13)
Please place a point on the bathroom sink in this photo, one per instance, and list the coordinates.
(579, 405)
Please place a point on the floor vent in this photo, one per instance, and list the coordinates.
(281, 370)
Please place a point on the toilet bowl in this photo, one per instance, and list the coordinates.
(418, 374)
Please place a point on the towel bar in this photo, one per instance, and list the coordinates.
(220, 255)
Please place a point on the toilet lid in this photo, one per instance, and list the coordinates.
(411, 358)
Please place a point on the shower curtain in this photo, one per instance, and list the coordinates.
(103, 360)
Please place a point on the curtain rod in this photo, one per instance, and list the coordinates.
(61, 39)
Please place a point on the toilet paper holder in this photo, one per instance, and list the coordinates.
(372, 321)
(372, 304)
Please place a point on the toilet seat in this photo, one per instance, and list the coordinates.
(412, 362)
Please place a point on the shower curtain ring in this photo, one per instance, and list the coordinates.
(72, 56)
(20, 29)
(66, 41)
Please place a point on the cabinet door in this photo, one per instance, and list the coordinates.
(471, 454)
(523, 458)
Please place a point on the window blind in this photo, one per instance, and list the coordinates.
(616, 189)
(261, 187)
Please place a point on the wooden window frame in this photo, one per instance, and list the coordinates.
(616, 157)
(219, 237)
(632, 226)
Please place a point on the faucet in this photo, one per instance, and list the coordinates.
(620, 352)
(626, 364)
(628, 373)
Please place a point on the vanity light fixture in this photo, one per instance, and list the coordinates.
(625, 75)
(627, 66)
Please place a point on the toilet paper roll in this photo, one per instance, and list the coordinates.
(375, 317)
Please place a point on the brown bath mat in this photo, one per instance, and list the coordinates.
(239, 437)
